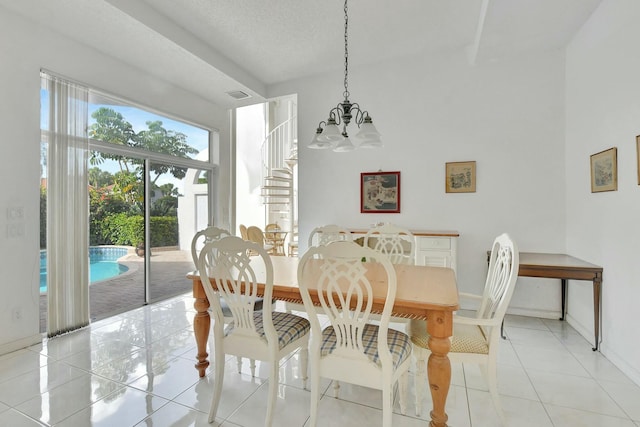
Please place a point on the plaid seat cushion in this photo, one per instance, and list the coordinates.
(289, 327)
(466, 338)
(399, 344)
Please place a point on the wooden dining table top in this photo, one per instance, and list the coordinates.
(420, 288)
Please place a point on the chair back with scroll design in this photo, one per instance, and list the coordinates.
(329, 233)
(203, 237)
(228, 271)
(395, 242)
(351, 349)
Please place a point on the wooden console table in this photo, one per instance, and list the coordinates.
(565, 267)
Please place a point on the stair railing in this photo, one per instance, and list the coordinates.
(278, 145)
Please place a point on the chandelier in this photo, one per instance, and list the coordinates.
(344, 113)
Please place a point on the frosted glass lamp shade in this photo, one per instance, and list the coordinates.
(367, 131)
(331, 133)
(373, 142)
(344, 145)
(317, 144)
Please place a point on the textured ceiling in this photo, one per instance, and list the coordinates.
(213, 46)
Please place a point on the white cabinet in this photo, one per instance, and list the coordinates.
(433, 248)
(436, 249)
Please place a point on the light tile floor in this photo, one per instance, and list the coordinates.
(136, 369)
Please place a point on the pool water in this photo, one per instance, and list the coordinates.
(102, 265)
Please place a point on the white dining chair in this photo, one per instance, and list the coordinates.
(227, 271)
(476, 339)
(319, 236)
(396, 242)
(351, 349)
(326, 234)
(201, 238)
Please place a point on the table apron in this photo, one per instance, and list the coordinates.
(559, 273)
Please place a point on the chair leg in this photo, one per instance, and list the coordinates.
(387, 402)
(492, 380)
(315, 394)
(336, 388)
(304, 365)
(218, 379)
(403, 383)
(273, 390)
(421, 377)
(252, 365)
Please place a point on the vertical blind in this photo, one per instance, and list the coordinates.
(67, 206)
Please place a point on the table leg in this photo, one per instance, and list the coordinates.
(597, 287)
(201, 325)
(564, 297)
(440, 328)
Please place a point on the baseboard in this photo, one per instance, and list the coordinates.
(532, 312)
(20, 344)
(521, 311)
(628, 370)
(580, 328)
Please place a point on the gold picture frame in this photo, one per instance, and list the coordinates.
(638, 154)
(460, 177)
(604, 171)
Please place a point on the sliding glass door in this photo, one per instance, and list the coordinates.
(116, 233)
(178, 208)
(148, 193)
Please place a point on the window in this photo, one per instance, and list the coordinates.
(150, 181)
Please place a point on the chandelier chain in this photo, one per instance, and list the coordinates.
(328, 133)
(346, 52)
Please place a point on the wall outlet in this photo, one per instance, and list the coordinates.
(16, 314)
(15, 213)
(15, 231)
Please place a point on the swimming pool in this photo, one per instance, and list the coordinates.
(102, 264)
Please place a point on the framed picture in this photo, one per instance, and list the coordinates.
(460, 177)
(638, 154)
(380, 192)
(604, 170)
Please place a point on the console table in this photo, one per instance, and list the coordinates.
(565, 267)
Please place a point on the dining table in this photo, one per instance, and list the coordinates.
(426, 293)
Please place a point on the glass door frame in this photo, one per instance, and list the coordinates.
(149, 157)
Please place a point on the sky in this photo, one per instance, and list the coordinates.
(197, 138)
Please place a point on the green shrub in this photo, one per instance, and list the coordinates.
(122, 229)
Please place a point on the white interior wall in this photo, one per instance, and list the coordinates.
(603, 111)
(25, 48)
(250, 133)
(507, 116)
